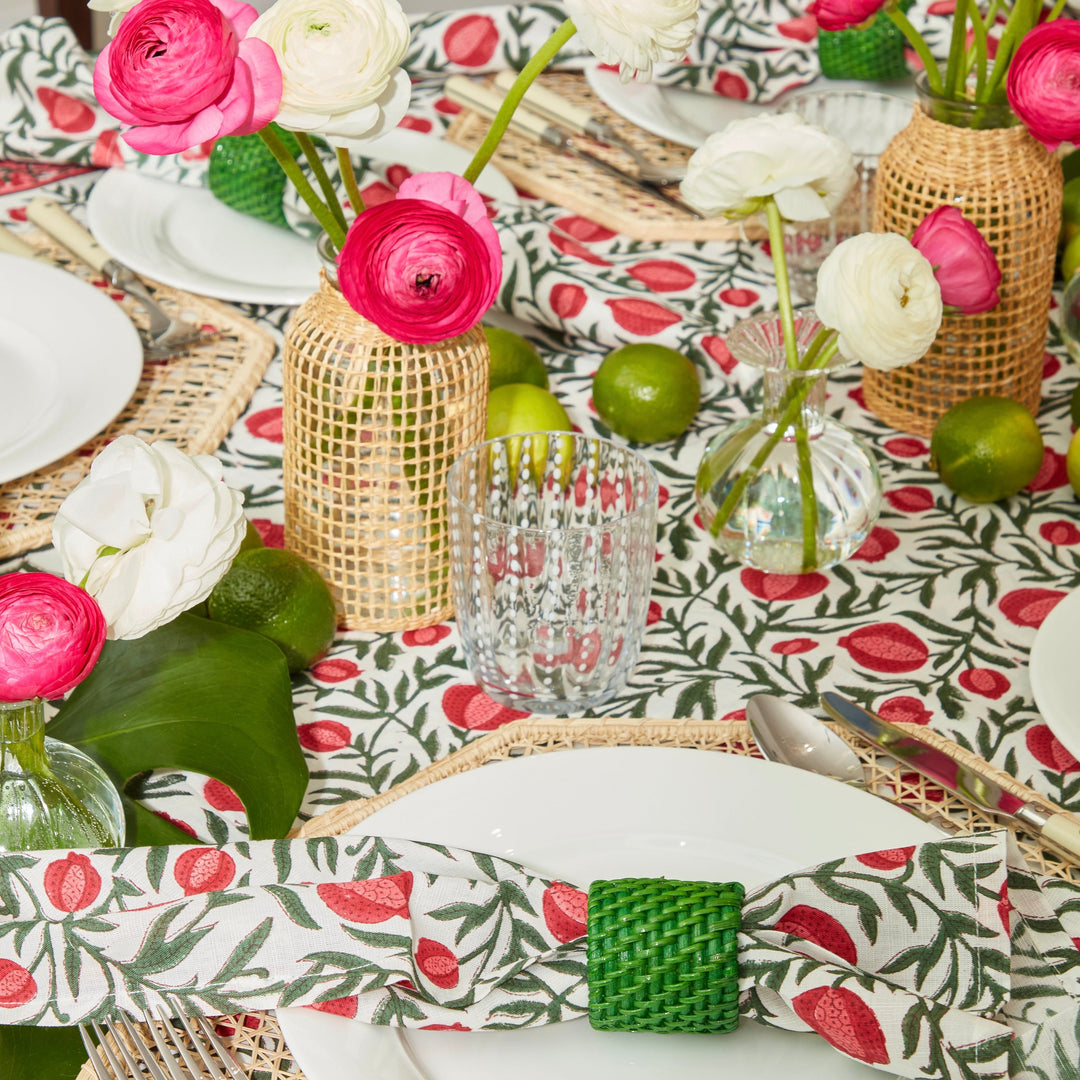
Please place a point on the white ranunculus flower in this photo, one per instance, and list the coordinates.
(635, 34)
(150, 531)
(340, 66)
(881, 295)
(806, 170)
(116, 9)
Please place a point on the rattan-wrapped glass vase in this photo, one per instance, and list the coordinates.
(371, 428)
(981, 160)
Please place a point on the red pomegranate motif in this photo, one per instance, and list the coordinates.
(887, 858)
(345, 1006)
(843, 1019)
(984, 681)
(664, 275)
(370, 901)
(904, 709)
(17, 985)
(567, 300)
(106, 152)
(1052, 473)
(471, 41)
(739, 297)
(728, 84)
(72, 884)
(642, 317)
(886, 647)
(220, 796)
(576, 250)
(717, 348)
(437, 963)
(426, 635)
(565, 911)
(906, 447)
(271, 533)
(66, 113)
(1004, 906)
(470, 708)
(580, 228)
(1060, 533)
(910, 499)
(877, 545)
(819, 927)
(202, 870)
(336, 670)
(1047, 750)
(266, 424)
(794, 646)
(782, 586)
(324, 736)
(1028, 607)
(803, 28)
(444, 1027)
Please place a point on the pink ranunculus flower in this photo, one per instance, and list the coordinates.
(965, 266)
(1043, 84)
(844, 14)
(51, 634)
(181, 72)
(425, 266)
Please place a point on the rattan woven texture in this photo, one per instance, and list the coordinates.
(663, 955)
(1009, 186)
(371, 426)
(589, 191)
(257, 1039)
(191, 400)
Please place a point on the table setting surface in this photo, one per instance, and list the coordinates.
(953, 618)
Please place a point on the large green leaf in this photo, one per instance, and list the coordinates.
(200, 696)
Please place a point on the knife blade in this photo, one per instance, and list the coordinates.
(974, 784)
(486, 102)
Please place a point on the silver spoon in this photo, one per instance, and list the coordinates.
(791, 736)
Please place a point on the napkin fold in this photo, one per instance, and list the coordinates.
(900, 958)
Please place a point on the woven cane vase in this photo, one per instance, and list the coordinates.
(1009, 186)
(371, 426)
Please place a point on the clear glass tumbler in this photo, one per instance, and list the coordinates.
(553, 538)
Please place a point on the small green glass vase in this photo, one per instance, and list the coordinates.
(52, 795)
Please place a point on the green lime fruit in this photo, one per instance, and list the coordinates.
(986, 448)
(1070, 210)
(513, 359)
(1070, 165)
(1072, 462)
(646, 393)
(522, 407)
(281, 596)
(252, 538)
(1070, 258)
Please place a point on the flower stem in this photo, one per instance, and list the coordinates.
(954, 75)
(348, 176)
(808, 498)
(915, 40)
(783, 287)
(539, 61)
(318, 170)
(292, 170)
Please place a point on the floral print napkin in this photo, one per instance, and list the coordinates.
(900, 959)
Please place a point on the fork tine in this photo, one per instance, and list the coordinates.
(198, 1041)
(177, 1040)
(92, 1054)
(168, 1057)
(140, 1045)
(207, 1029)
(118, 1070)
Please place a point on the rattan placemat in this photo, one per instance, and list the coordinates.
(587, 190)
(191, 399)
(256, 1039)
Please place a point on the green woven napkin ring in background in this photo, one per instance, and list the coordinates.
(874, 53)
(663, 955)
(243, 174)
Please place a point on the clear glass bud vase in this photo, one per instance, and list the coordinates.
(754, 475)
(51, 794)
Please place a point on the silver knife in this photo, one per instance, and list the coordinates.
(486, 102)
(1057, 829)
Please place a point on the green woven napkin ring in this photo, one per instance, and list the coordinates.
(874, 53)
(663, 955)
(243, 174)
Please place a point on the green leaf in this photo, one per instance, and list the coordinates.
(293, 906)
(199, 696)
(31, 1053)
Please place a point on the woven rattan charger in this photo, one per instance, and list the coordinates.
(256, 1039)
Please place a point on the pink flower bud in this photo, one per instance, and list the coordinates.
(965, 267)
(51, 634)
(1043, 84)
(182, 71)
(843, 14)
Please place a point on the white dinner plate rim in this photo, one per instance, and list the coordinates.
(95, 350)
(1055, 681)
(818, 796)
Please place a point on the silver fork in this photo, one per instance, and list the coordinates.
(179, 1059)
(167, 334)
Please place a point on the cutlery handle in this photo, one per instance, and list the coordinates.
(485, 101)
(61, 226)
(1061, 831)
(14, 245)
(553, 107)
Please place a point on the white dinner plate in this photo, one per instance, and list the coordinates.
(1055, 678)
(689, 118)
(615, 812)
(70, 360)
(184, 237)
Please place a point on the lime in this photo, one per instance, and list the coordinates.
(1070, 165)
(986, 448)
(1070, 258)
(521, 407)
(1072, 462)
(513, 359)
(279, 595)
(252, 538)
(646, 393)
(1070, 210)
